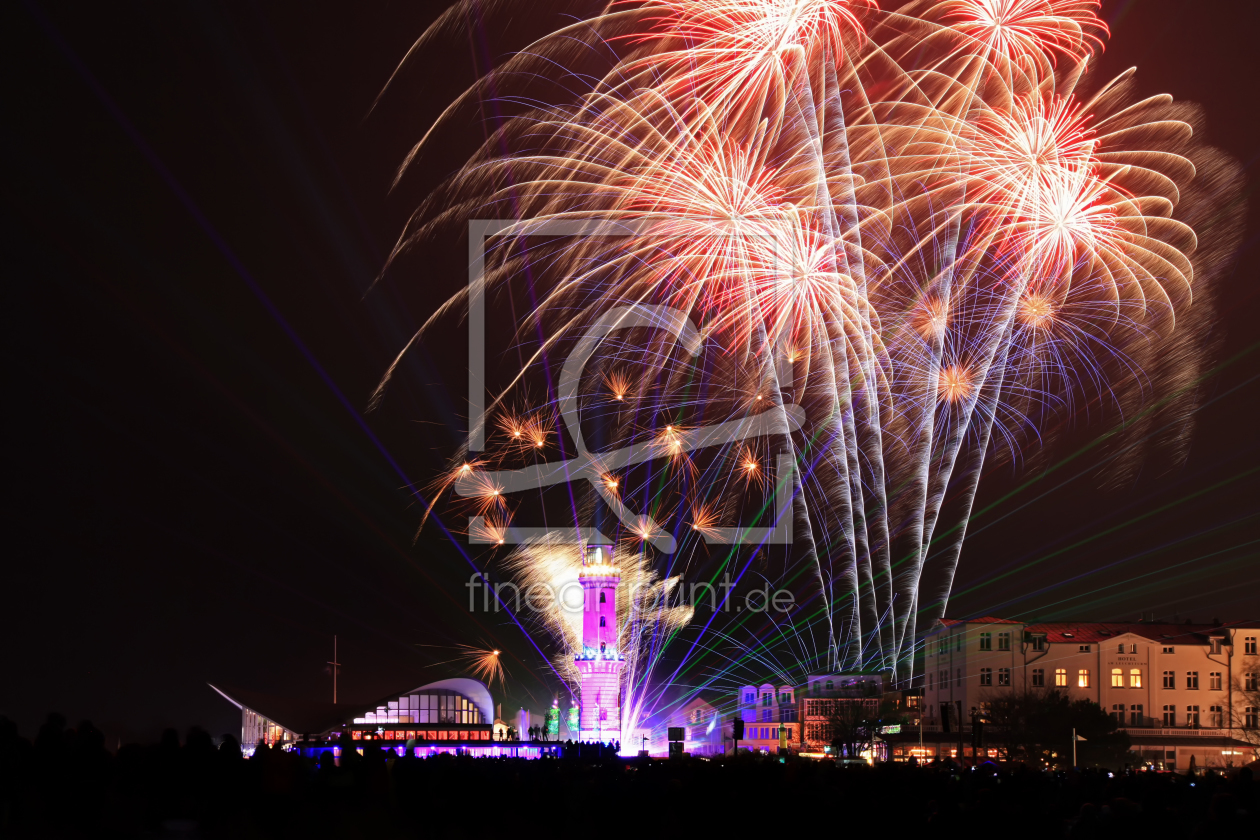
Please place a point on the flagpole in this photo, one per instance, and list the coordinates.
(1073, 747)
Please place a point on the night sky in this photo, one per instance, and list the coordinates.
(197, 202)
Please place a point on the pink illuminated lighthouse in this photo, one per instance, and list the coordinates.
(599, 663)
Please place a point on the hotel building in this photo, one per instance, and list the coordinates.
(1178, 690)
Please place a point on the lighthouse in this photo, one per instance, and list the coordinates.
(600, 662)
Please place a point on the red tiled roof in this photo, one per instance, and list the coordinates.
(988, 619)
(1101, 631)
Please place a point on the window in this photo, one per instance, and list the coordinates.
(1249, 645)
(1117, 678)
(603, 621)
(1083, 649)
(1216, 717)
(1039, 677)
(1192, 680)
(986, 641)
(929, 683)
(943, 647)
(1251, 682)
(1170, 716)
(986, 676)
(1117, 712)
(1192, 716)
(1004, 641)
(1215, 647)
(1251, 717)
(1135, 714)
(1060, 676)
(1135, 678)
(830, 685)
(944, 679)
(1214, 681)
(1170, 679)
(1168, 649)
(786, 698)
(602, 598)
(1133, 648)
(1082, 678)
(749, 697)
(1038, 643)
(958, 677)
(1004, 676)
(767, 715)
(767, 698)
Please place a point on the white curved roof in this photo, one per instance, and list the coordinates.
(474, 690)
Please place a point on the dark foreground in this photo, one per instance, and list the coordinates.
(66, 784)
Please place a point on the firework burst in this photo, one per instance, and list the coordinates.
(924, 230)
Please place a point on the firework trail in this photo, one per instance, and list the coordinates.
(916, 238)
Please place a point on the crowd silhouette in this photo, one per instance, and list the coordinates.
(66, 783)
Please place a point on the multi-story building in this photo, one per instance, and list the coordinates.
(1179, 690)
(770, 717)
(827, 694)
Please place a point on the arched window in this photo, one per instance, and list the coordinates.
(603, 622)
(603, 646)
(602, 598)
(830, 685)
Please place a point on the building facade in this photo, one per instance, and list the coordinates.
(600, 662)
(1178, 690)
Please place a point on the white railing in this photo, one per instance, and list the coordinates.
(1180, 730)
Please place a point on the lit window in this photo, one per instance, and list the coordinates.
(1117, 678)
(1039, 677)
(1249, 645)
(1004, 676)
(1192, 680)
(1060, 676)
(1170, 716)
(1082, 678)
(1170, 679)
(986, 676)
(1135, 678)
(1004, 641)
(986, 641)
(1135, 715)
(1214, 681)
